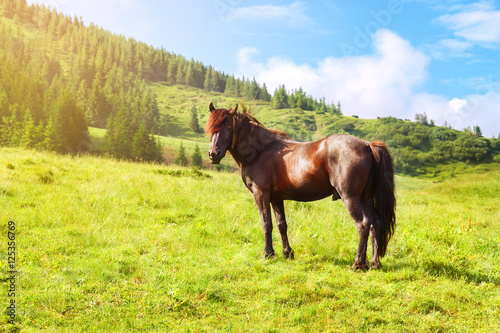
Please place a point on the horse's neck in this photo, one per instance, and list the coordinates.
(249, 147)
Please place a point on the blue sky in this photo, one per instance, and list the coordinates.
(379, 58)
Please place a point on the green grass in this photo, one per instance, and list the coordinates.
(114, 246)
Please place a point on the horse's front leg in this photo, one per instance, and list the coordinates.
(279, 213)
(262, 200)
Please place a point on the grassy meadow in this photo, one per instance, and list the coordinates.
(106, 245)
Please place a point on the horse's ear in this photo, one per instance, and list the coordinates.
(211, 107)
(233, 111)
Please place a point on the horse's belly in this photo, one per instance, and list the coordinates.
(301, 174)
(304, 191)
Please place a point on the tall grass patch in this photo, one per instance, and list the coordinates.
(109, 245)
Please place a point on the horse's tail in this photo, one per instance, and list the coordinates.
(385, 201)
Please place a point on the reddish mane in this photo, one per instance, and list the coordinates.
(215, 120)
(245, 119)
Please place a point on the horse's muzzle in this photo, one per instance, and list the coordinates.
(215, 156)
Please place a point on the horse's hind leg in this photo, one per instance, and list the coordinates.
(357, 212)
(279, 213)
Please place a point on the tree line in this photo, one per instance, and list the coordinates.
(299, 99)
(421, 143)
(66, 76)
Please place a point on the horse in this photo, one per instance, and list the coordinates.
(276, 168)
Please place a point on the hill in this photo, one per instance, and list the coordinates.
(106, 245)
(60, 78)
(419, 149)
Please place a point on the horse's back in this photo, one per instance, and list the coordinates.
(347, 145)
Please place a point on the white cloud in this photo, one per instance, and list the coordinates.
(482, 110)
(292, 15)
(456, 104)
(449, 48)
(459, 113)
(478, 22)
(384, 83)
(375, 85)
(245, 60)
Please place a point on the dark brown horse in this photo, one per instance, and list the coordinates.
(275, 168)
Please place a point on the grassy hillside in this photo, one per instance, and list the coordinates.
(60, 76)
(105, 245)
(418, 150)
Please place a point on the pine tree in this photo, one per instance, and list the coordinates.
(322, 106)
(4, 104)
(190, 80)
(181, 158)
(109, 137)
(280, 98)
(196, 158)
(12, 131)
(181, 72)
(254, 90)
(119, 135)
(207, 84)
(50, 138)
(140, 143)
(69, 123)
(30, 135)
(172, 70)
(231, 88)
(264, 94)
(157, 149)
(421, 118)
(195, 126)
(300, 100)
(218, 83)
(144, 146)
(199, 74)
(477, 131)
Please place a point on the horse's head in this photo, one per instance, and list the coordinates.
(220, 127)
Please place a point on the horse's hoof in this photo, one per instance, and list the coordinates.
(289, 255)
(376, 265)
(270, 255)
(359, 267)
